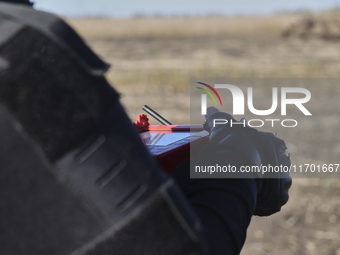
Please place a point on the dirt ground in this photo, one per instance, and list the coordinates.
(154, 68)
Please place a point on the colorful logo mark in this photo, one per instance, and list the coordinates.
(208, 92)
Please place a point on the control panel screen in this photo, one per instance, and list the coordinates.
(159, 138)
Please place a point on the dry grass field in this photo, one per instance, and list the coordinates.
(154, 58)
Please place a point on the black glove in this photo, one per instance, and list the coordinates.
(256, 148)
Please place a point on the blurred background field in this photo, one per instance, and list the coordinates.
(157, 56)
(153, 59)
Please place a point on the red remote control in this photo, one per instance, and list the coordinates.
(170, 144)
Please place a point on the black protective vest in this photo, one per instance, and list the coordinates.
(75, 177)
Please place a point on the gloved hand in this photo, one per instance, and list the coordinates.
(256, 148)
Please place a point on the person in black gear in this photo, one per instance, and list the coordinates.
(76, 178)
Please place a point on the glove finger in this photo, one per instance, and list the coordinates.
(211, 110)
(285, 185)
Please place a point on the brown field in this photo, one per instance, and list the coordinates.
(153, 60)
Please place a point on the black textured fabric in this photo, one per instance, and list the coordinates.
(155, 231)
(96, 193)
(39, 215)
(57, 101)
(225, 206)
(27, 2)
(58, 31)
(43, 212)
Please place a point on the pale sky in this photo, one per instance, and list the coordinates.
(128, 8)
